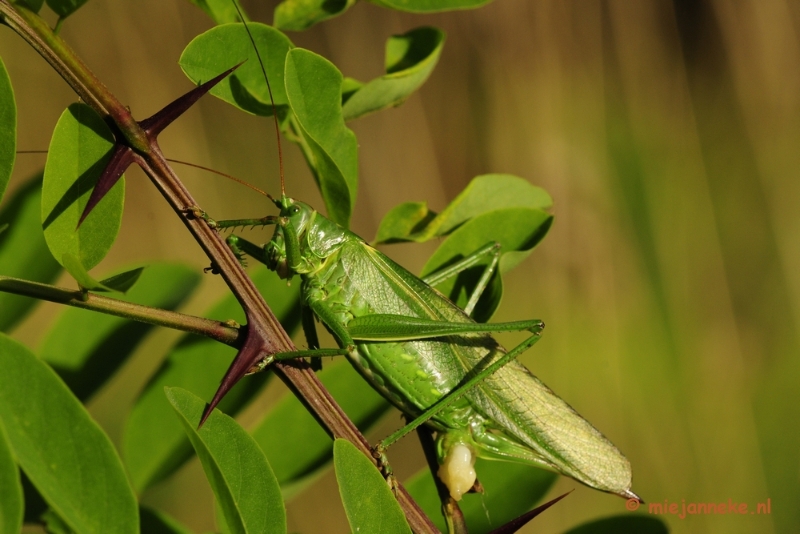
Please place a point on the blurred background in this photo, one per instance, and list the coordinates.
(666, 133)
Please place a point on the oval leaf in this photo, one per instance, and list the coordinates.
(8, 129)
(298, 15)
(65, 8)
(153, 446)
(86, 348)
(484, 193)
(410, 59)
(638, 524)
(239, 474)
(11, 505)
(23, 251)
(220, 11)
(313, 86)
(294, 442)
(403, 221)
(64, 453)
(225, 46)
(367, 499)
(429, 6)
(79, 150)
(510, 490)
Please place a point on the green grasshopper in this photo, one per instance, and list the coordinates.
(428, 357)
(425, 354)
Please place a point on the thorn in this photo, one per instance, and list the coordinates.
(122, 155)
(250, 354)
(121, 158)
(155, 125)
(515, 524)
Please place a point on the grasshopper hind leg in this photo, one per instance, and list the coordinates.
(492, 250)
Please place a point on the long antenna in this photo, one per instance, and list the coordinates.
(220, 173)
(269, 89)
(188, 164)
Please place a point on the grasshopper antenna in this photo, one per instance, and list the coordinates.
(220, 173)
(269, 90)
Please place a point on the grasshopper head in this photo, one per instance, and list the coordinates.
(297, 216)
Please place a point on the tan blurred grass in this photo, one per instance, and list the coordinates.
(666, 133)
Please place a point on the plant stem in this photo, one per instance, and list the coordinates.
(219, 331)
(260, 319)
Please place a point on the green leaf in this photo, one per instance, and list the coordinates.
(122, 282)
(8, 129)
(86, 348)
(33, 5)
(622, 524)
(54, 524)
(367, 499)
(294, 442)
(65, 8)
(429, 6)
(410, 59)
(517, 230)
(85, 281)
(23, 251)
(239, 474)
(225, 46)
(313, 86)
(66, 455)
(404, 220)
(79, 150)
(220, 11)
(11, 505)
(484, 193)
(153, 446)
(510, 490)
(349, 87)
(298, 15)
(157, 522)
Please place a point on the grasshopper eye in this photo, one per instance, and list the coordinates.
(294, 210)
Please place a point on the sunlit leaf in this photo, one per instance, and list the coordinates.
(403, 221)
(429, 6)
(8, 129)
(23, 251)
(80, 148)
(238, 471)
(484, 193)
(410, 59)
(313, 85)
(298, 15)
(63, 451)
(220, 11)
(368, 501)
(225, 46)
